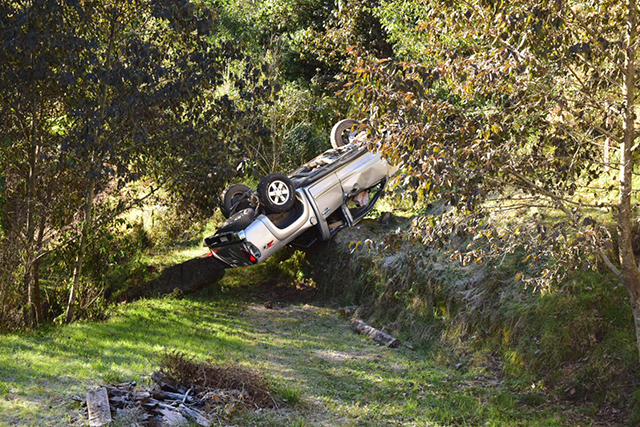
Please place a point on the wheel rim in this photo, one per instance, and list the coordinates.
(278, 193)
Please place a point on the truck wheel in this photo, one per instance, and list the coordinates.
(343, 132)
(238, 221)
(276, 193)
(234, 196)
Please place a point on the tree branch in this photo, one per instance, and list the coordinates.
(594, 36)
(101, 220)
(560, 204)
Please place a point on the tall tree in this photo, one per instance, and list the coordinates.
(31, 61)
(517, 102)
(97, 94)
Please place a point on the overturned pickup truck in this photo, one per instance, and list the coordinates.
(334, 190)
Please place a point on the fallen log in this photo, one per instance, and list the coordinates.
(375, 334)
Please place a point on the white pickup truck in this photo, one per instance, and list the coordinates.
(332, 191)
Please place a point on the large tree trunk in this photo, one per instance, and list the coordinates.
(630, 272)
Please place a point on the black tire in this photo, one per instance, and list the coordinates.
(343, 132)
(238, 221)
(276, 193)
(233, 196)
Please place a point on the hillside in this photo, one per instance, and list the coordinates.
(322, 373)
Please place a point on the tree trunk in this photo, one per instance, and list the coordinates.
(27, 280)
(88, 203)
(77, 270)
(30, 226)
(37, 304)
(630, 272)
(607, 154)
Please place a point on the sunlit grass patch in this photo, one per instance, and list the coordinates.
(289, 394)
(168, 259)
(326, 374)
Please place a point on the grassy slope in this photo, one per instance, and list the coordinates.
(337, 378)
(575, 342)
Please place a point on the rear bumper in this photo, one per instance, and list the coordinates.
(233, 249)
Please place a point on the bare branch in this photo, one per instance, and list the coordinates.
(101, 220)
(609, 264)
(560, 204)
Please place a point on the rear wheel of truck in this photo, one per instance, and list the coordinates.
(276, 193)
(238, 221)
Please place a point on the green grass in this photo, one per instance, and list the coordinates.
(328, 375)
(178, 255)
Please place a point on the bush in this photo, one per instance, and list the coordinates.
(11, 295)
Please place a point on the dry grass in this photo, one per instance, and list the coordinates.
(210, 381)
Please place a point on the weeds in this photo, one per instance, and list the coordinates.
(289, 394)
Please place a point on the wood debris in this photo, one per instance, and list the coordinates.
(165, 404)
(375, 334)
(169, 403)
(183, 391)
(227, 383)
(98, 407)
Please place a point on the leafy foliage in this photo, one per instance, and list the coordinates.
(511, 103)
(517, 121)
(97, 96)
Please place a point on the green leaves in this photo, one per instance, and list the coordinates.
(507, 102)
(96, 96)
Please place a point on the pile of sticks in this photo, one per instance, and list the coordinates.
(164, 404)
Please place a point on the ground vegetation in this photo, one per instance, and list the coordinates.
(511, 107)
(514, 125)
